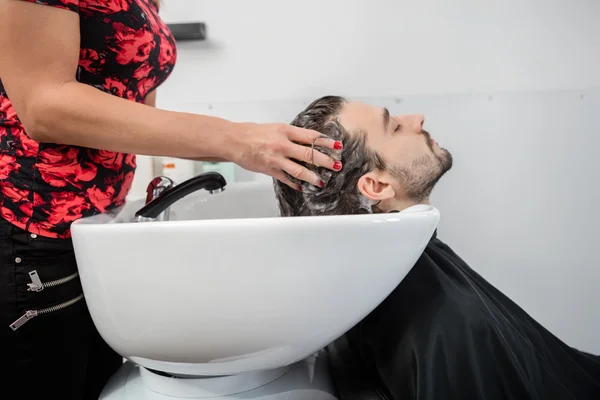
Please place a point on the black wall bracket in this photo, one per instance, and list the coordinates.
(187, 31)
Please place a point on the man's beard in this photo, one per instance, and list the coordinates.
(421, 177)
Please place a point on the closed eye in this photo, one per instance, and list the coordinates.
(398, 128)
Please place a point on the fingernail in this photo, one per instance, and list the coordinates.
(337, 165)
(338, 145)
(321, 184)
(299, 188)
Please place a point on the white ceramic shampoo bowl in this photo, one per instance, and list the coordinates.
(228, 287)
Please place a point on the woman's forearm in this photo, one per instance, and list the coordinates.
(151, 101)
(78, 114)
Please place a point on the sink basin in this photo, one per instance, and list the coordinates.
(226, 286)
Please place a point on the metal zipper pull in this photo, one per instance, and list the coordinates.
(36, 285)
(23, 319)
(34, 313)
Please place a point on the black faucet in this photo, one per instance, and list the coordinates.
(159, 201)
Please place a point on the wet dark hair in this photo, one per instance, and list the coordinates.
(340, 195)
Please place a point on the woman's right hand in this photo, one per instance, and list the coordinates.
(272, 149)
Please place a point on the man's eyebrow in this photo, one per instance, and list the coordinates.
(386, 119)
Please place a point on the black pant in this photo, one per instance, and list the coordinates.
(57, 354)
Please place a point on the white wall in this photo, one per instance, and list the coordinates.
(503, 84)
(266, 49)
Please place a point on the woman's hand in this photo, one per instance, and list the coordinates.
(272, 148)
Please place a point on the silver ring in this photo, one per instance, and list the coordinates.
(312, 148)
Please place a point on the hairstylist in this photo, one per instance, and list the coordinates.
(77, 90)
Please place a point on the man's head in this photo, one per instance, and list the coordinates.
(389, 162)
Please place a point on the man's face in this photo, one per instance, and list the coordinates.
(415, 161)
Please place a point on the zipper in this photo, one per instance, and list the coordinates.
(37, 285)
(30, 314)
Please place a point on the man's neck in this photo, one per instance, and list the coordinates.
(401, 204)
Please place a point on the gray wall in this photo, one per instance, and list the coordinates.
(522, 204)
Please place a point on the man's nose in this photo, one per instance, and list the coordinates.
(417, 121)
(414, 122)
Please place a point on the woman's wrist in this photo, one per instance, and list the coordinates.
(230, 143)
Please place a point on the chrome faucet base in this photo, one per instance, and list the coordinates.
(155, 188)
(139, 218)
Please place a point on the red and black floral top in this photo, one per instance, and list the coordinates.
(126, 50)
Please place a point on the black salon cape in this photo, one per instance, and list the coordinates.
(445, 333)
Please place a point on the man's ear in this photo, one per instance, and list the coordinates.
(376, 186)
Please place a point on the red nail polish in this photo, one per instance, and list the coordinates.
(337, 165)
(338, 145)
(321, 184)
